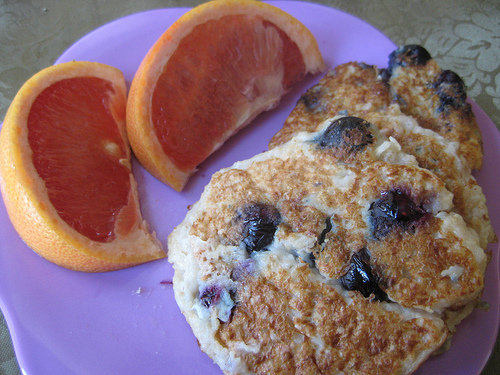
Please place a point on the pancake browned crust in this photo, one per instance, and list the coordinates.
(436, 98)
(354, 87)
(423, 130)
(332, 253)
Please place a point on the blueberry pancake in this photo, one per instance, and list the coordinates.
(379, 96)
(331, 253)
(353, 87)
(436, 98)
(440, 155)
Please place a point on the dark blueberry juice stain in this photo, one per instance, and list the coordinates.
(328, 228)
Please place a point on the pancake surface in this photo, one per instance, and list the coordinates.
(421, 106)
(333, 252)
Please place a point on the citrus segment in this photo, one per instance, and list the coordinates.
(66, 174)
(210, 74)
(75, 182)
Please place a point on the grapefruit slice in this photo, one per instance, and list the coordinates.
(209, 75)
(65, 170)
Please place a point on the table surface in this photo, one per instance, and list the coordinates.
(462, 35)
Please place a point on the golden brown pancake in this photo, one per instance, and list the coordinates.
(436, 98)
(420, 123)
(333, 252)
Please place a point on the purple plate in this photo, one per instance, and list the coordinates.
(127, 322)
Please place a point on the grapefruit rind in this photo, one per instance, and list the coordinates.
(140, 128)
(26, 197)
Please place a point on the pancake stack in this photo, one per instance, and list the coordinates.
(356, 244)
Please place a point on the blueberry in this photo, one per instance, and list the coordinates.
(409, 55)
(243, 270)
(211, 295)
(394, 209)
(346, 136)
(221, 299)
(360, 277)
(259, 222)
(312, 98)
(450, 89)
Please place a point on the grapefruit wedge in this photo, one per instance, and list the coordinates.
(65, 170)
(209, 75)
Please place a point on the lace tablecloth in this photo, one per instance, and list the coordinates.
(462, 35)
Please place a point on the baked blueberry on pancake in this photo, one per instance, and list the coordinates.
(441, 156)
(353, 87)
(331, 253)
(405, 102)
